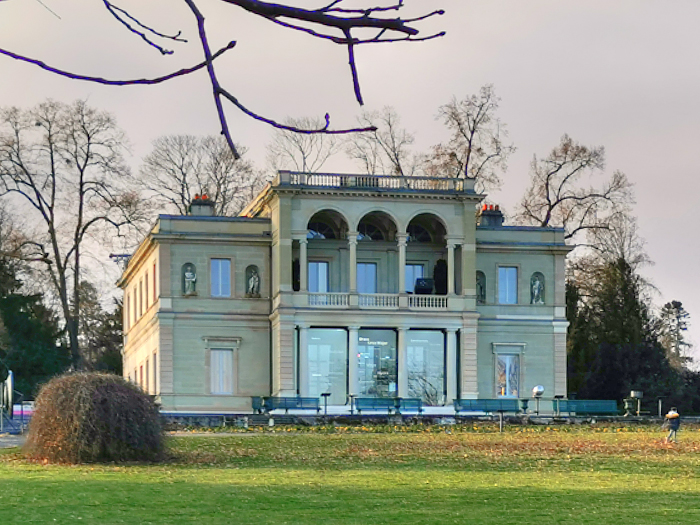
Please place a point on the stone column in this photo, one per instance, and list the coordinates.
(468, 362)
(450, 268)
(402, 238)
(303, 266)
(303, 363)
(352, 243)
(402, 361)
(451, 372)
(353, 386)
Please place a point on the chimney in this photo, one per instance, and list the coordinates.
(201, 206)
(490, 216)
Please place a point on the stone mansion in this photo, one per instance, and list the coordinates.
(346, 285)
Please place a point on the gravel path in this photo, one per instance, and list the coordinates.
(10, 440)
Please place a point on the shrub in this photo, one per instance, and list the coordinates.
(92, 417)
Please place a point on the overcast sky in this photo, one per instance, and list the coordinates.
(623, 74)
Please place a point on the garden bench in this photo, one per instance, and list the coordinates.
(486, 405)
(411, 404)
(586, 407)
(376, 403)
(266, 404)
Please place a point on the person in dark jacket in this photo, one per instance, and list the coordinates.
(673, 422)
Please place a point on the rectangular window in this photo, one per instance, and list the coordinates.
(377, 365)
(221, 277)
(222, 371)
(140, 298)
(155, 279)
(141, 376)
(126, 313)
(155, 372)
(318, 276)
(147, 377)
(133, 306)
(327, 363)
(146, 294)
(507, 285)
(425, 363)
(507, 375)
(413, 272)
(366, 278)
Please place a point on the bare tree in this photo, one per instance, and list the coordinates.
(349, 27)
(618, 240)
(62, 166)
(477, 148)
(306, 152)
(557, 196)
(386, 150)
(181, 166)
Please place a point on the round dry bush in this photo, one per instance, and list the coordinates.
(90, 417)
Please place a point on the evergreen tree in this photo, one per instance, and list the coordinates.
(673, 322)
(612, 341)
(100, 332)
(30, 338)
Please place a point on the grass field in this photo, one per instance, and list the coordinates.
(566, 475)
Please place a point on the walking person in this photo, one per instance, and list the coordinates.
(673, 422)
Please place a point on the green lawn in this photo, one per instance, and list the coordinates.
(519, 477)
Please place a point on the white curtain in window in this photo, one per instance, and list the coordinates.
(507, 285)
(413, 272)
(221, 277)
(318, 277)
(222, 371)
(507, 375)
(366, 278)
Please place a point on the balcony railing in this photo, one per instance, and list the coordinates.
(378, 182)
(333, 300)
(379, 301)
(427, 302)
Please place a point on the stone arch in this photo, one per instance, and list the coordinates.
(377, 225)
(436, 215)
(426, 227)
(327, 223)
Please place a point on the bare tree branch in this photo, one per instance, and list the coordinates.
(119, 14)
(557, 198)
(322, 22)
(66, 162)
(99, 80)
(478, 147)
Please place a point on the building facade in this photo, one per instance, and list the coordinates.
(349, 285)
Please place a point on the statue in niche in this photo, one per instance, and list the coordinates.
(537, 289)
(480, 288)
(252, 282)
(189, 279)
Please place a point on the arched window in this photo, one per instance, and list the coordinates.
(369, 232)
(320, 230)
(416, 233)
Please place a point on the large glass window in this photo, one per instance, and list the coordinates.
(222, 371)
(318, 276)
(366, 278)
(327, 365)
(425, 362)
(413, 272)
(507, 285)
(221, 277)
(507, 375)
(378, 372)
